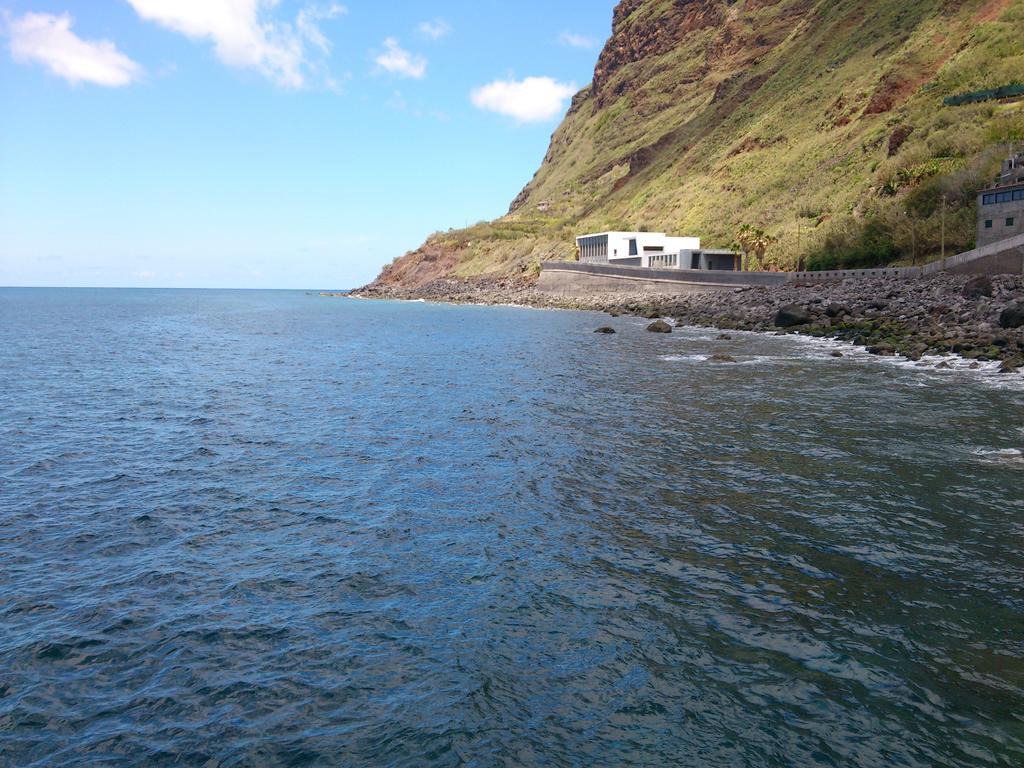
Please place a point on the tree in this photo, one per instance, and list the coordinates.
(754, 241)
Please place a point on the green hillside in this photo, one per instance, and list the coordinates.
(821, 122)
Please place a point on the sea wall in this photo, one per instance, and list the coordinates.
(575, 279)
(1003, 258)
(569, 278)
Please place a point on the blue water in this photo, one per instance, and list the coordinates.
(243, 528)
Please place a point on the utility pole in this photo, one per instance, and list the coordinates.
(799, 244)
(944, 197)
(913, 239)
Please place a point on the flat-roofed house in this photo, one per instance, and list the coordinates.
(654, 250)
(1001, 206)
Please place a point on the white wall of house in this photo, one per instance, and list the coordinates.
(628, 247)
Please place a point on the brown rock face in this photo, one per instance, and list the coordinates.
(635, 38)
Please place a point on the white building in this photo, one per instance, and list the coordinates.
(652, 250)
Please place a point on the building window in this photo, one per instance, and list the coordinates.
(988, 199)
(632, 248)
(988, 224)
(1018, 195)
(1009, 221)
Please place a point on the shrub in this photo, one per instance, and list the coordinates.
(855, 245)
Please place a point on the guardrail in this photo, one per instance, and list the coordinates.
(842, 274)
(975, 97)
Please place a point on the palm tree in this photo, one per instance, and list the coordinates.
(754, 240)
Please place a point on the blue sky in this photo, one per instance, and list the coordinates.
(263, 144)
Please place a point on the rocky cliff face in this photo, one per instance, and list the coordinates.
(822, 123)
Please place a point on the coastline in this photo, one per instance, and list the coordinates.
(914, 318)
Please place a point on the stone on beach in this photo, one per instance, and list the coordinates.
(605, 329)
(1012, 316)
(659, 326)
(919, 317)
(836, 310)
(977, 287)
(882, 349)
(792, 315)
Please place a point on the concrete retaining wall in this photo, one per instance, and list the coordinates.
(828, 275)
(575, 278)
(1003, 258)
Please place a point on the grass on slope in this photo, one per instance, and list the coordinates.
(821, 122)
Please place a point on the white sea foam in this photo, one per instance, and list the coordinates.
(1012, 456)
(751, 360)
(803, 348)
(953, 366)
(683, 358)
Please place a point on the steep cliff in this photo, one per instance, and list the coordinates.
(820, 121)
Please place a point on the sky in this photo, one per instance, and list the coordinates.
(269, 143)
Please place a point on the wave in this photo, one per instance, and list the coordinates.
(1012, 456)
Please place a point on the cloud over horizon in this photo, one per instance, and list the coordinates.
(46, 39)
(531, 100)
(574, 40)
(398, 61)
(244, 36)
(435, 30)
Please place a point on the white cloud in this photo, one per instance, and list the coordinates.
(397, 102)
(435, 30)
(533, 100)
(574, 40)
(243, 34)
(398, 61)
(48, 40)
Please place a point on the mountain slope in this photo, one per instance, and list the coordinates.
(821, 121)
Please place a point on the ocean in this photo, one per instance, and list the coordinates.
(273, 528)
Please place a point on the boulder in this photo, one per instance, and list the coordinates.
(977, 287)
(724, 337)
(792, 315)
(659, 326)
(836, 353)
(837, 310)
(605, 329)
(721, 357)
(882, 349)
(1012, 316)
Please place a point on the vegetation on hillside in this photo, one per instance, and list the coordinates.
(820, 125)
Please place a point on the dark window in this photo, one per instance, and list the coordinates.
(988, 224)
(1009, 221)
(988, 199)
(1004, 197)
(632, 248)
(1018, 194)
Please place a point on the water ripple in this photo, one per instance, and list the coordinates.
(267, 528)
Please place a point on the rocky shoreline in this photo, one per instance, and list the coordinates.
(981, 319)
